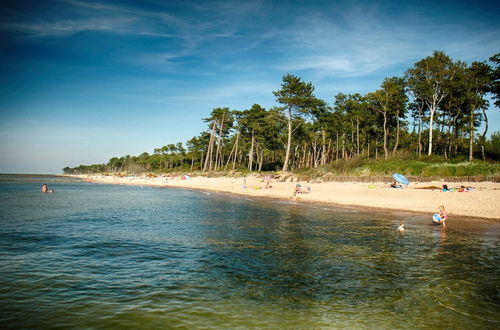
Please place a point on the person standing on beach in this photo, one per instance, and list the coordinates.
(267, 179)
(443, 215)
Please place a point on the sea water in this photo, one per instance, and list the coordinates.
(108, 256)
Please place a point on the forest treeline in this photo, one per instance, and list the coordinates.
(438, 107)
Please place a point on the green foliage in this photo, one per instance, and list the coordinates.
(427, 167)
(432, 167)
(492, 146)
(494, 86)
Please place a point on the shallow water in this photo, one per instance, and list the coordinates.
(101, 256)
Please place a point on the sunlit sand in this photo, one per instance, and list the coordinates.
(481, 202)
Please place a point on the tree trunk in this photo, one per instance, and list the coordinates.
(431, 121)
(314, 153)
(420, 130)
(337, 146)
(343, 145)
(261, 159)
(323, 150)
(397, 134)
(289, 142)
(357, 134)
(328, 151)
(471, 142)
(432, 106)
(483, 138)
(219, 144)
(352, 137)
(385, 135)
(236, 150)
(208, 160)
(250, 153)
(303, 160)
(230, 156)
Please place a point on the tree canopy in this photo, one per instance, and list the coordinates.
(438, 100)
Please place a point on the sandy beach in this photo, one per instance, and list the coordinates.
(482, 202)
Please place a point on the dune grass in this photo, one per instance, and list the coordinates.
(424, 167)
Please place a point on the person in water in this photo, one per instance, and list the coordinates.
(45, 189)
(441, 217)
(401, 227)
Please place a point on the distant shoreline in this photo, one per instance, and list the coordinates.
(482, 202)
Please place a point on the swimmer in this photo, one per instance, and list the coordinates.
(401, 227)
(45, 189)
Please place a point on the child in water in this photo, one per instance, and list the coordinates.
(401, 227)
(441, 217)
(45, 189)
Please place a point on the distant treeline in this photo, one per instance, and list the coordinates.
(436, 108)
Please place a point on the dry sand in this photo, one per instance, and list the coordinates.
(482, 202)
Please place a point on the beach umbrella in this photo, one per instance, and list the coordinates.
(400, 178)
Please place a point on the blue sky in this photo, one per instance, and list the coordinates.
(84, 81)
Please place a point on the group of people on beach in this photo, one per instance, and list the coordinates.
(299, 190)
(459, 189)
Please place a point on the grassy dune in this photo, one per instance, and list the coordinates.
(430, 168)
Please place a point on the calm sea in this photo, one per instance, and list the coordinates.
(102, 256)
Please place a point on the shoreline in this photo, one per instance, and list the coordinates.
(419, 197)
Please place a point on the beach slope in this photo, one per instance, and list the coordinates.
(483, 201)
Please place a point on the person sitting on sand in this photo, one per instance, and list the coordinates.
(441, 217)
(401, 227)
(297, 190)
(465, 189)
(395, 185)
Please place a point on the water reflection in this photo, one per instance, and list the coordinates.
(335, 261)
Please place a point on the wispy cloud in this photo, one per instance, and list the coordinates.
(93, 16)
(353, 45)
(69, 27)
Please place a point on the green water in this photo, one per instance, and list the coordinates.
(99, 256)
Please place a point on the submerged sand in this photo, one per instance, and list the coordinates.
(482, 202)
